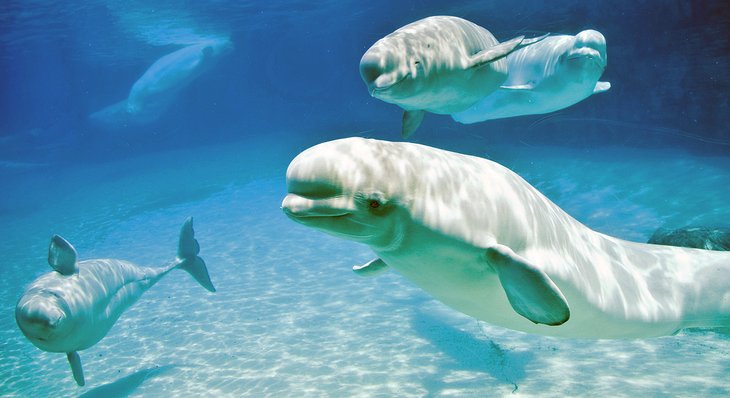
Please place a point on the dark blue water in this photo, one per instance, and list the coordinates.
(289, 318)
(294, 68)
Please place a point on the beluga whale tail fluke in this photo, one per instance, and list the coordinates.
(439, 64)
(74, 306)
(481, 239)
(187, 255)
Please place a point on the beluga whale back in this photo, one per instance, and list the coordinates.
(439, 64)
(74, 306)
(479, 238)
(553, 74)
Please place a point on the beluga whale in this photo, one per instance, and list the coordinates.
(159, 86)
(439, 64)
(553, 74)
(482, 240)
(74, 306)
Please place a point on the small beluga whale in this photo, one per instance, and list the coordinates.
(74, 306)
(482, 240)
(553, 74)
(153, 93)
(439, 64)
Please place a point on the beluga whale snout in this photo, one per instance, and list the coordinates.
(377, 70)
(74, 306)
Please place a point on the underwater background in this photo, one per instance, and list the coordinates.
(290, 318)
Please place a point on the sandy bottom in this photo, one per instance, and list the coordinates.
(291, 319)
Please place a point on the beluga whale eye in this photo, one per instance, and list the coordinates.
(373, 201)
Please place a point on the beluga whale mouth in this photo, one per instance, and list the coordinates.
(307, 199)
(336, 215)
(297, 207)
(385, 83)
(590, 55)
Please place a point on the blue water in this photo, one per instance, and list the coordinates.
(289, 317)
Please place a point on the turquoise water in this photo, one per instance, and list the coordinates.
(290, 318)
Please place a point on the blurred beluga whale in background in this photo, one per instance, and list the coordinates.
(553, 74)
(74, 306)
(479, 238)
(153, 93)
(439, 64)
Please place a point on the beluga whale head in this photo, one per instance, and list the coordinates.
(42, 313)
(393, 70)
(588, 54)
(331, 187)
(42, 319)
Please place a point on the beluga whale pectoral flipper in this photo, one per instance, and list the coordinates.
(439, 64)
(482, 240)
(371, 268)
(74, 306)
(529, 290)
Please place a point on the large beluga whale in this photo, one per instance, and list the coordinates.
(74, 306)
(153, 93)
(550, 75)
(479, 238)
(439, 64)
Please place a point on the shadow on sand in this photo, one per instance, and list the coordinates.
(126, 385)
(469, 353)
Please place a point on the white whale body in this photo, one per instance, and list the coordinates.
(479, 238)
(439, 64)
(553, 74)
(153, 93)
(74, 306)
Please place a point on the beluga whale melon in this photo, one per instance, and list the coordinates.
(439, 64)
(74, 306)
(482, 240)
(553, 74)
